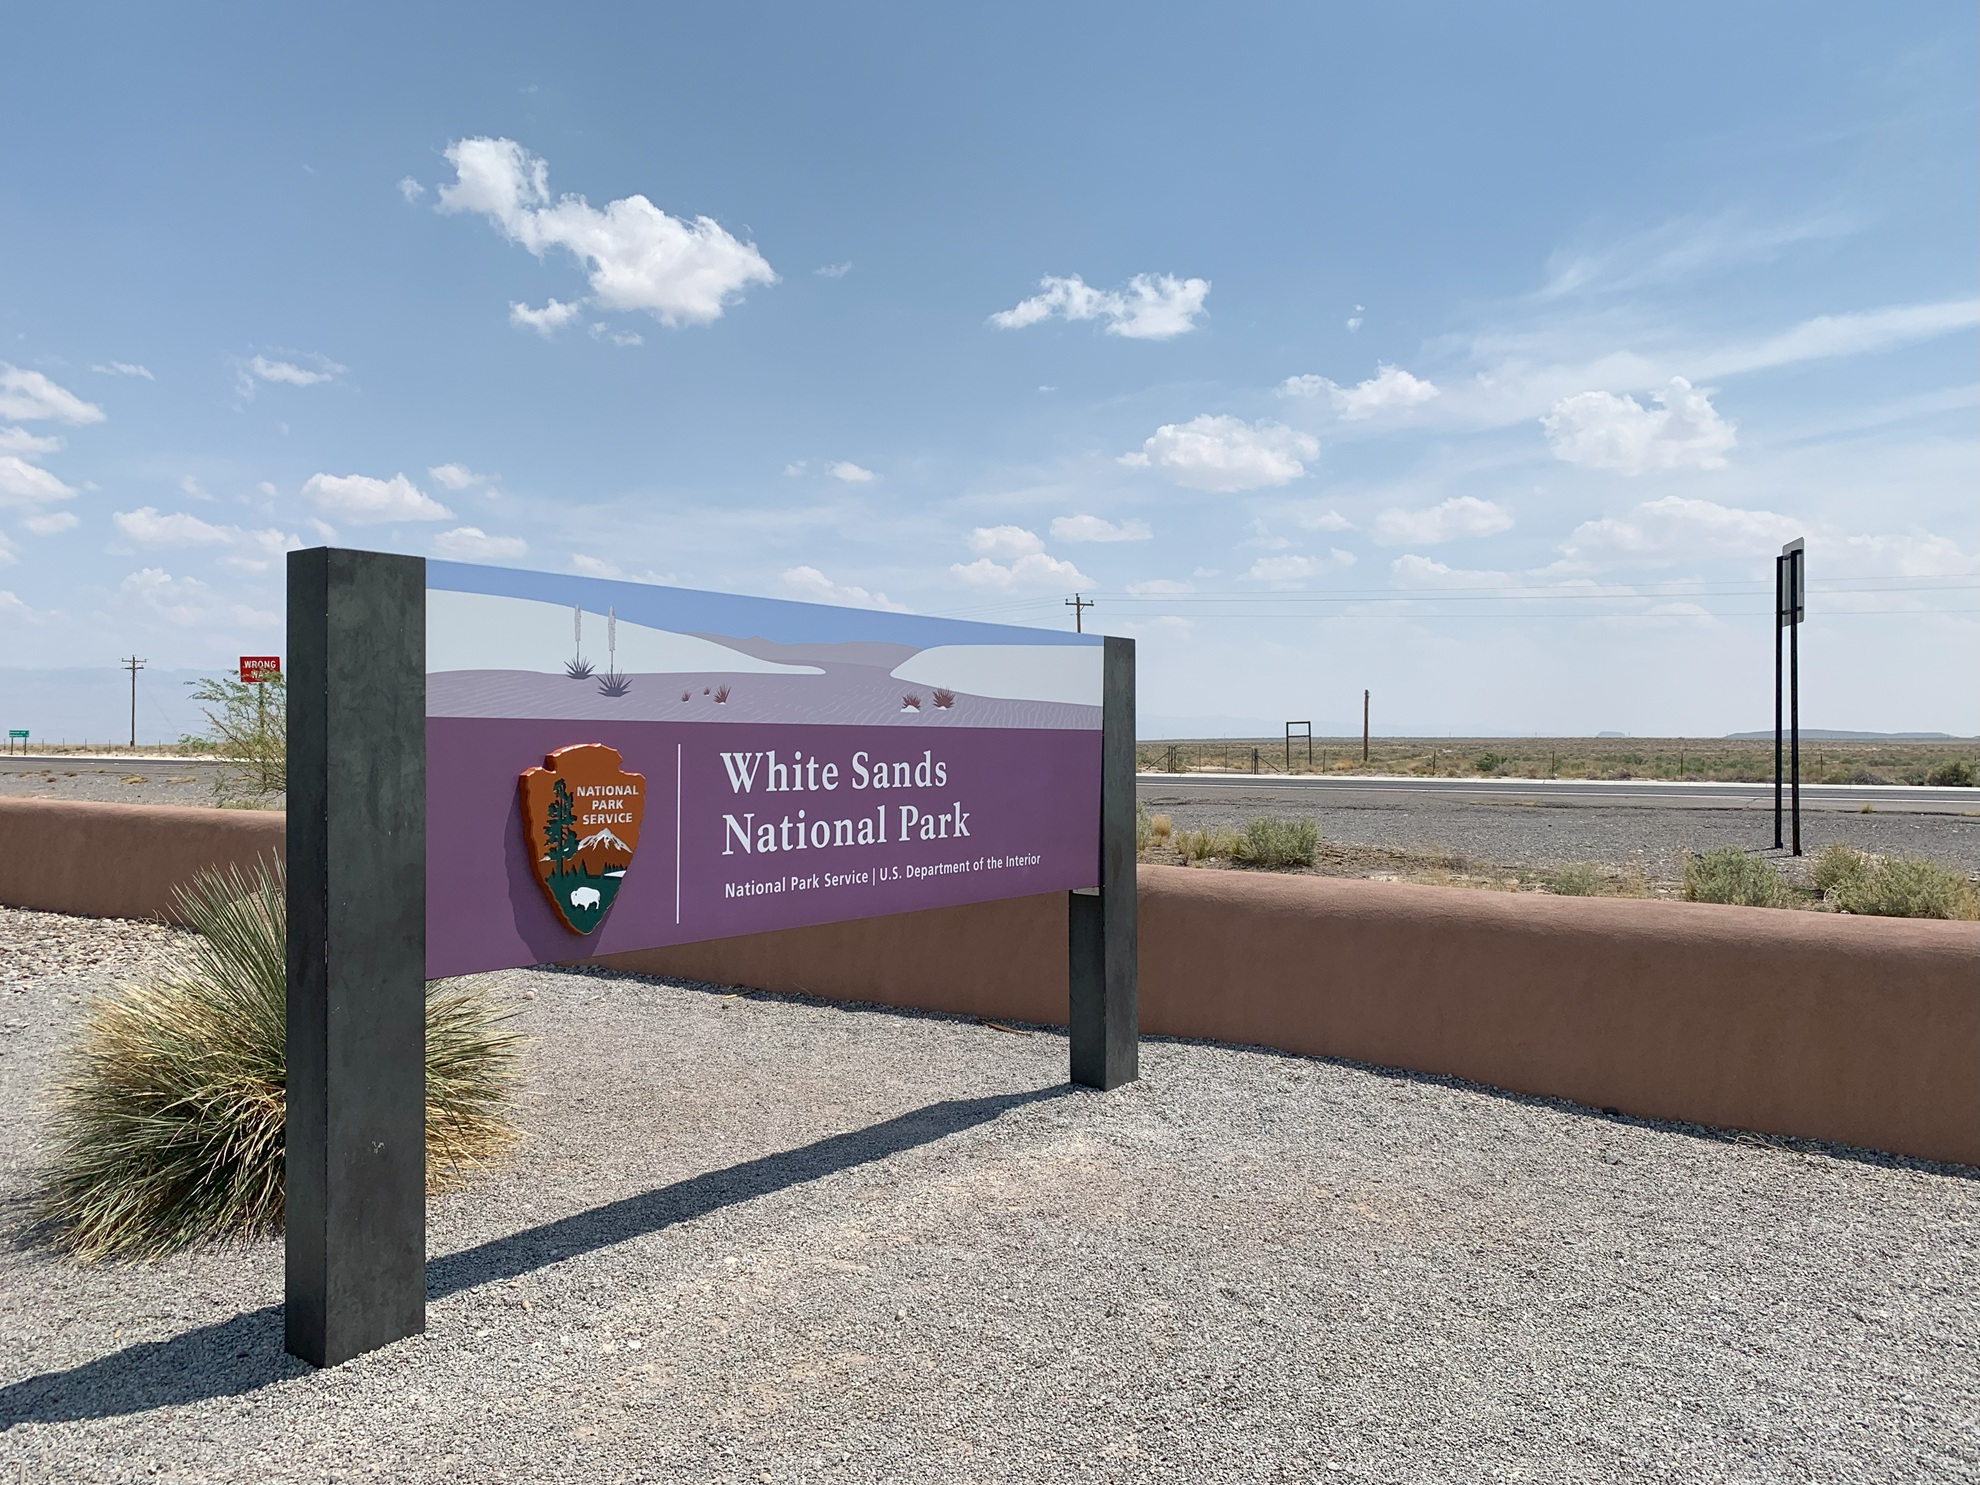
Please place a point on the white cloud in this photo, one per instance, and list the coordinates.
(1599, 430)
(1215, 452)
(1678, 529)
(253, 551)
(1034, 570)
(587, 565)
(811, 584)
(1151, 307)
(1292, 567)
(290, 374)
(52, 523)
(852, 473)
(188, 602)
(1905, 556)
(468, 543)
(1004, 541)
(7, 555)
(20, 441)
(795, 468)
(602, 331)
(1158, 587)
(834, 270)
(1354, 320)
(1390, 388)
(26, 396)
(366, 501)
(1263, 536)
(547, 320)
(1325, 520)
(456, 476)
(22, 483)
(1095, 528)
(124, 368)
(1412, 571)
(1828, 336)
(189, 485)
(1464, 515)
(1678, 249)
(411, 189)
(638, 257)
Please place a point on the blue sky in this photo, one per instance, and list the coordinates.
(1480, 356)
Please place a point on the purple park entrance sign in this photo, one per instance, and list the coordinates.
(786, 764)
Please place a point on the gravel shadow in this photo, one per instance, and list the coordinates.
(242, 1354)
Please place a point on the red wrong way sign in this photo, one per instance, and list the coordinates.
(261, 667)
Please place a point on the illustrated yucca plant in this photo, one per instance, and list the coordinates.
(612, 683)
(578, 668)
(168, 1123)
(721, 693)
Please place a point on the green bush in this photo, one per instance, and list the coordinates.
(1905, 887)
(1490, 762)
(1730, 875)
(1576, 879)
(1954, 774)
(1279, 844)
(168, 1122)
(248, 727)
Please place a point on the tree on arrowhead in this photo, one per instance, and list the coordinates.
(559, 835)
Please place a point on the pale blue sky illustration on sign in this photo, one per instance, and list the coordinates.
(1482, 356)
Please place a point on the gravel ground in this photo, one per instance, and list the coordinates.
(755, 1238)
(1515, 833)
(115, 780)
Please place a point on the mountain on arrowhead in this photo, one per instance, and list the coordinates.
(604, 840)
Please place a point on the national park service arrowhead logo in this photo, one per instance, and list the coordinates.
(581, 814)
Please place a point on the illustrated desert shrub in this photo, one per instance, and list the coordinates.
(1957, 773)
(721, 693)
(910, 702)
(1902, 887)
(614, 684)
(1279, 844)
(1576, 879)
(168, 1121)
(944, 699)
(1729, 875)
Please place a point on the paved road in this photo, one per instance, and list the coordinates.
(1599, 793)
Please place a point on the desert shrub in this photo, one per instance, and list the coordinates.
(1956, 773)
(1489, 762)
(1730, 875)
(1205, 845)
(168, 1121)
(1576, 879)
(1278, 844)
(1144, 828)
(1162, 828)
(1904, 887)
(247, 726)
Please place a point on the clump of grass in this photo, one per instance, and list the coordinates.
(1278, 844)
(1162, 828)
(1144, 829)
(1206, 845)
(1729, 875)
(1576, 879)
(168, 1128)
(1905, 887)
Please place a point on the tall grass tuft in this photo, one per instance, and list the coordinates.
(1730, 875)
(1279, 844)
(168, 1124)
(1905, 887)
(1576, 879)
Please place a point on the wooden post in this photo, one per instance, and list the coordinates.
(1364, 726)
(355, 1247)
(1104, 1019)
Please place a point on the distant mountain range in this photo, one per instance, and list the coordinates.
(1824, 734)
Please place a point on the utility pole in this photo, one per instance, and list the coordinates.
(1364, 726)
(133, 664)
(1079, 606)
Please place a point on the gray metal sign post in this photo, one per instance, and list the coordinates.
(356, 1138)
(1104, 1018)
(1790, 606)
